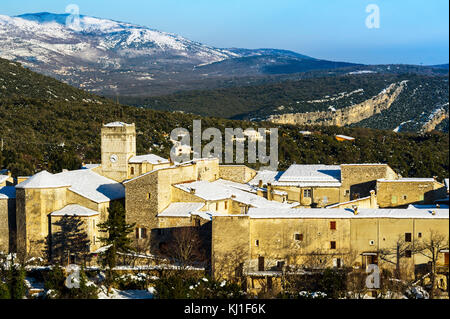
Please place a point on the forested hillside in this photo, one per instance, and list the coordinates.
(61, 129)
(422, 97)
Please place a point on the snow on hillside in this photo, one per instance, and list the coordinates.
(41, 36)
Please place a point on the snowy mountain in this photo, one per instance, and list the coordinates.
(114, 57)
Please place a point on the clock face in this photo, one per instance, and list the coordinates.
(113, 158)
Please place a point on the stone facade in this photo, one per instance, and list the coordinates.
(243, 240)
(118, 145)
(7, 224)
(359, 179)
(396, 193)
(237, 173)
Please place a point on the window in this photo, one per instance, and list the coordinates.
(226, 205)
(372, 242)
(408, 253)
(408, 237)
(347, 192)
(260, 263)
(149, 196)
(197, 222)
(332, 245)
(298, 237)
(419, 235)
(333, 225)
(141, 232)
(132, 171)
(394, 199)
(217, 206)
(257, 243)
(307, 193)
(337, 262)
(280, 264)
(405, 197)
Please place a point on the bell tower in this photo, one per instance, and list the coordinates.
(118, 146)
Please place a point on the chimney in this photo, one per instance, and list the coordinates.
(259, 192)
(260, 183)
(373, 199)
(269, 191)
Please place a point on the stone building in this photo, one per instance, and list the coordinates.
(268, 215)
(263, 242)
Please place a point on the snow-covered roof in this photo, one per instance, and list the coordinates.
(117, 124)
(43, 179)
(348, 213)
(7, 192)
(348, 202)
(207, 215)
(407, 179)
(3, 178)
(90, 166)
(149, 158)
(429, 206)
(311, 174)
(246, 187)
(213, 191)
(180, 209)
(75, 210)
(265, 176)
(93, 186)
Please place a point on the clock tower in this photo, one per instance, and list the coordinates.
(118, 146)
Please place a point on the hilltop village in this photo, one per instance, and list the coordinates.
(255, 223)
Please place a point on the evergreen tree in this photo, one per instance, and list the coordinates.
(12, 279)
(117, 231)
(71, 239)
(55, 284)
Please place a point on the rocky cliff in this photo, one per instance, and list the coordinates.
(435, 119)
(347, 115)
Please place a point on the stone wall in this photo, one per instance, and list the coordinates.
(403, 193)
(33, 208)
(230, 245)
(276, 241)
(7, 225)
(360, 179)
(237, 173)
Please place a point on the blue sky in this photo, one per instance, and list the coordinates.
(411, 31)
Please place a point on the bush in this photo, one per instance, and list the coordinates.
(175, 287)
(54, 283)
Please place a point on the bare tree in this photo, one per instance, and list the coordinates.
(185, 247)
(430, 247)
(317, 259)
(230, 266)
(395, 255)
